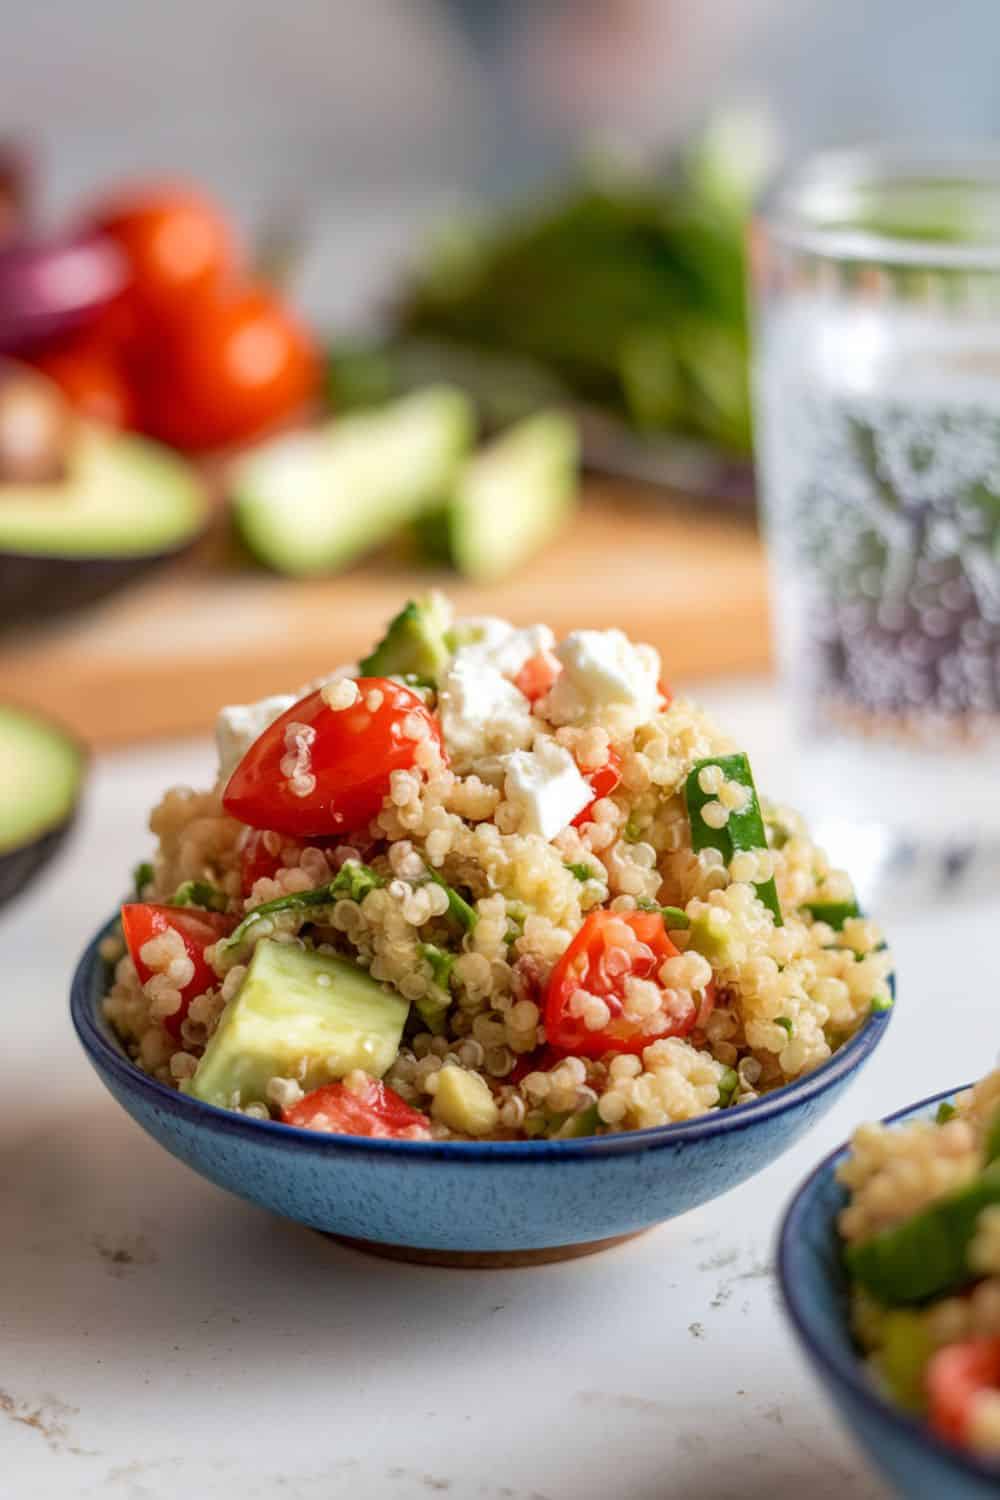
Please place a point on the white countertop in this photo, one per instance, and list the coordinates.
(161, 1339)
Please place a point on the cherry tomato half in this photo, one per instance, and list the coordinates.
(238, 363)
(603, 780)
(323, 771)
(537, 675)
(955, 1376)
(92, 380)
(376, 1111)
(177, 243)
(610, 948)
(198, 930)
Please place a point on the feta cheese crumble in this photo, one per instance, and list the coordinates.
(481, 710)
(239, 724)
(602, 670)
(546, 786)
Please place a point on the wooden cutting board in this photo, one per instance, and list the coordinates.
(160, 659)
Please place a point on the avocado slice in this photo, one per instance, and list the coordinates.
(928, 1255)
(711, 936)
(463, 1102)
(41, 774)
(296, 1004)
(307, 503)
(123, 506)
(415, 643)
(509, 500)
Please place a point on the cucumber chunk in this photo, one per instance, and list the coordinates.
(311, 502)
(509, 501)
(296, 1005)
(928, 1255)
(415, 643)
(742, 830)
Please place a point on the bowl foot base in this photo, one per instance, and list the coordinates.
(483, 1260)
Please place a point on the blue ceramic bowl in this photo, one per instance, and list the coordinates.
(448, 1199)
(814, 1287)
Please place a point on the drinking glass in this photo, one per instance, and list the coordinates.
(876, 279)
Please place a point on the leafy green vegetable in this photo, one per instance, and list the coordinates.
(199, 893)
(141, 877)
(945, 1111)
(743, 829)
(351, 883)
(675, 917)
(583, 871)
(786, 1023)
(833, 913)
(457, 905)
(441, 963)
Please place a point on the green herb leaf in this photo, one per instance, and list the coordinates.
(441, 963)
(728, 1084)
(351, 883)
(833, 913)
(675, 918)
(457, 905)
(199, 893)
(583, 872)
(945, 1111)
(631, 833)
(141, 877)
(786, 1023)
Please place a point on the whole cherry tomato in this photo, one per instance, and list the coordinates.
(93, 381)
(610, 948)
(178, 244)
(321, 770)
(238, 363)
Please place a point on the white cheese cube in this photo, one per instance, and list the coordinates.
(238, 725)
(481, 710)
(499, 644)
(602, 669)
(546, 786)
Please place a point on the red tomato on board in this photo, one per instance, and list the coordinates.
(198, 930)
(177, 243)
(603, 780)
(954, 1377)
(377, 1111)
(93, 381)
(237, 363)
(609, 948)
(350, 756)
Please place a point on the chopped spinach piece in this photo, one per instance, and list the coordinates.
(199, 893)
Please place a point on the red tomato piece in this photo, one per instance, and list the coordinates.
(322, 771)
(610, 948)
(955, 1376)
(377, 1110)
(93, 381)
(198, 930)
(603, 781)
(666, 693)
(537, 675)
(540, 1060)
(257, 860)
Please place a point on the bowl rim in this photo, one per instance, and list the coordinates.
(847, 1373)
(107, 1058)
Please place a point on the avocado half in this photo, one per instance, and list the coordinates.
(41, 776)
(123, 506)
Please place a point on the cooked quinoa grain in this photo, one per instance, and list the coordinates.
(504, 885)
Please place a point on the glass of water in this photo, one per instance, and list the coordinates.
(877, 389)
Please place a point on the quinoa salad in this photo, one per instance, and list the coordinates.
(485, 884)
(921, 1230)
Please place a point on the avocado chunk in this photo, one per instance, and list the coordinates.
(122, 496)
(307, 503)
(712, 936)
(906, 1348)
(463, 1102)
(743, 829)
(928, 1254)
(415, 644)
(296, 1005)
(41, 773)
(510, 499)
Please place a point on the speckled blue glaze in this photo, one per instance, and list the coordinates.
(814, 1288)
(463, 1195)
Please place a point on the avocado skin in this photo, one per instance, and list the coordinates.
(18, 867)
(39, 588)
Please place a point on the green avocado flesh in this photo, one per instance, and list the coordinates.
(928, 1255)
(510, 499)
(40, 774)
(297, 1004)
(123, 497)
(311, 502)
(415, 643)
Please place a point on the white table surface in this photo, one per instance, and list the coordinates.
(161, 1339)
